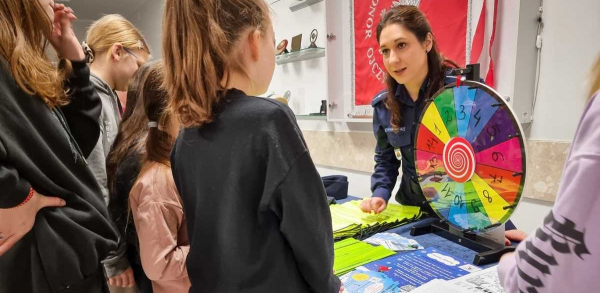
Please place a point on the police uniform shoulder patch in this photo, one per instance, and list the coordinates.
(380, 96)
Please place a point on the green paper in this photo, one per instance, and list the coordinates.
(350, 221)
(351, 253)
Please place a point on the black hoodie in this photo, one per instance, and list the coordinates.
(45, 149)
(255, 206)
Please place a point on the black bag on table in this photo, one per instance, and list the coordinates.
(336, 186)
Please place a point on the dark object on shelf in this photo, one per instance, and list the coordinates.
(313, 38)
(323, 109)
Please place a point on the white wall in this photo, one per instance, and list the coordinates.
(149, 20)
(306, 80)
(504, 51)
(80, 27)
(571, 42)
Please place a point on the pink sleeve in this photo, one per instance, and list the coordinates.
(158, 225)
(563, 255)
(507, 273)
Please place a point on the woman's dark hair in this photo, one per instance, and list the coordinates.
(413, 19)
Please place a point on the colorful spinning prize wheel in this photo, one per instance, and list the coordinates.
(470, 156)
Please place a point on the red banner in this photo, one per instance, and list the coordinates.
(448, 19)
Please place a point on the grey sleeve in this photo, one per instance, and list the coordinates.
(97, 164)
(117, 262)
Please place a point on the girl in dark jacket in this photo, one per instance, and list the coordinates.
(54, 229)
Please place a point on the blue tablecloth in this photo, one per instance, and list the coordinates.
(431, 240)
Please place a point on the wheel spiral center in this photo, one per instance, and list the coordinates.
(459, 159)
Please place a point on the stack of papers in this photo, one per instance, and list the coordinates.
(350, 221)
(351, 253)
(393, 242)
(485, 281)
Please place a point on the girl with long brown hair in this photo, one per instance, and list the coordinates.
(255, 206)
(123, 165)
(156, 207)
(49, 126)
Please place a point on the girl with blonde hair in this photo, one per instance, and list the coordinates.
(115, 49)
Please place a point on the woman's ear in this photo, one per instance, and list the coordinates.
(428, 44)
(116, 51)
(254, 44)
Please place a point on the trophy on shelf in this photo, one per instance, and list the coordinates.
(313, 38)
(282, 47)
(286, 97)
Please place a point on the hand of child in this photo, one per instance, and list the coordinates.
(124, 279)
(63, 37)
(18, 221)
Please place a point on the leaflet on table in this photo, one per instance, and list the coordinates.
(485, 281)
(368, 282)
(436, 286)
(393, 241)
(414, 269)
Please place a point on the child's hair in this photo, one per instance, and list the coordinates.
(595, 78)
(23, 24)
(158, 142)
(109, 30)
(133, 128)
(199, 38)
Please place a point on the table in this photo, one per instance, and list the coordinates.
(430, 240)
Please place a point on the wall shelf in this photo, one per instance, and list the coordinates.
(352, 120)
(311, 117)
(303, 54)
(299, 4)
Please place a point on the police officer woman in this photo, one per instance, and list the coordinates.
(416, 71)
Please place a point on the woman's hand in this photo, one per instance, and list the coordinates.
(63, 38)
(373, 204)
(18, 221)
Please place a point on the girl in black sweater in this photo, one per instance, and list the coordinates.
(256, 210)
(48, 244)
